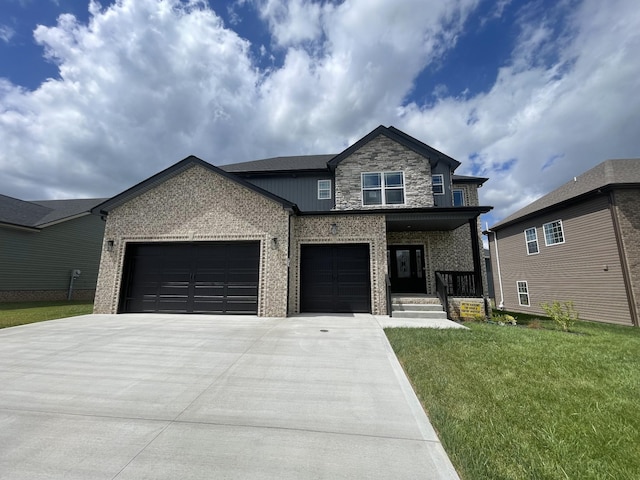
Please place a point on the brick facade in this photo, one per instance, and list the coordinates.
(629, 222)
(383, 155)
(199, 205)
(368, 229)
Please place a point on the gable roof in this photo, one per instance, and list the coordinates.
(174, 170)
(43, 213)
(281, 164)
(402, 138)
(620, 172)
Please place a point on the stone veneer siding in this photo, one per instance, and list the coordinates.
(629, 221)
(350, 229)
(199, 205)
(383, 155)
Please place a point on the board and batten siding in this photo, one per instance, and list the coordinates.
(301, 190)
(585, 269)
(43, 260)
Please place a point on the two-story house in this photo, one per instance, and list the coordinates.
(322, 233)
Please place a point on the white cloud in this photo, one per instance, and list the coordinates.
(148, 82)
(6, 33)
(579, 110)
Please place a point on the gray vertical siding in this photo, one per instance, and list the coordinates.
(43, 260)
(586, 269)
(301, 190)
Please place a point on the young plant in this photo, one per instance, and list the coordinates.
(563, 313)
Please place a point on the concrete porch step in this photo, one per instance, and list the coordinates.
(429, 315)
(422, 307)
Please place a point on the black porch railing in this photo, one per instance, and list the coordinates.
(458, 284)
(387, 282)
(442, 293)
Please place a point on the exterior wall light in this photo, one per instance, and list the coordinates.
(333, 230)
(110, 244)
(274, 242)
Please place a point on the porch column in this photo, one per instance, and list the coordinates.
(475, 247)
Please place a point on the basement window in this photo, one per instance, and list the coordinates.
(523, 293)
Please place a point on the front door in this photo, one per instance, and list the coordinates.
(406, 268)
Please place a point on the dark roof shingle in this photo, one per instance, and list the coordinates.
(609, 172)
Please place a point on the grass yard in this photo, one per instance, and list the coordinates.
(524, 403)
(12, 314)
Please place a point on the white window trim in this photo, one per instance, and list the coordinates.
(324, 189)
(545, 233)
(461, 190)
(526, 286)
(527, 241)
(383, 188)
(442, 183)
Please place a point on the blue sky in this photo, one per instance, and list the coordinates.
(95, 97)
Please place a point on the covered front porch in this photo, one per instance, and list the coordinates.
(434, 256)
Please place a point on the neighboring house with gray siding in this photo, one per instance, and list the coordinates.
(42, 242)
(580, 243)
(284, 235)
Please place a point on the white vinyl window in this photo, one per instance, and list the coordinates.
(458, 197)
(324, 189)
(523, 293)
(553, 233)
(437, 181)
(383, 188)
(531, 237)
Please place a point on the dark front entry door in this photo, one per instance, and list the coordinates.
(407, 269)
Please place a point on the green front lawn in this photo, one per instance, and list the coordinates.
(12, 314)
(516, 402)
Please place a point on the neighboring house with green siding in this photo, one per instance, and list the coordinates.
(42, 243)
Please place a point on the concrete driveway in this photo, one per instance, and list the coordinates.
(204, 397)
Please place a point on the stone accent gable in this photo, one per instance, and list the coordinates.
(199, 205)
(383, 155)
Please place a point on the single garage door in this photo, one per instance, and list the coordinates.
(218, 277)
(335, 278)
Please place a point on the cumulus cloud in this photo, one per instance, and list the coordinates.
(145, 83)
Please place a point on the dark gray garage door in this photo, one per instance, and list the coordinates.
(191, 278)
(335, 278)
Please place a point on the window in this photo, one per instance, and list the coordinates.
(458, 198)
(553, 233)
(438, 184)
(531, 237)
(523, 294)
(385, 188)
(324, 189)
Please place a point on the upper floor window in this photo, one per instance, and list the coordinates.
(458, 197)
(324, 189)
(383, 188)
(553, 233)
(531, 237)
(437, 181)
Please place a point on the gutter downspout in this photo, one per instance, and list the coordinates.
(495, 236)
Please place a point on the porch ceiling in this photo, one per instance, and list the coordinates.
(430, 221)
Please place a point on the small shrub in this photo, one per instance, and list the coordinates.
(504, 319)
(563, 313)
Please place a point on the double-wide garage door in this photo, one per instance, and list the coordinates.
(218, 277)
(335, 278)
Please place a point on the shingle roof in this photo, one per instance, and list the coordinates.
(37, 214)
(468, 179)
(280, 164)
(607, 173)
